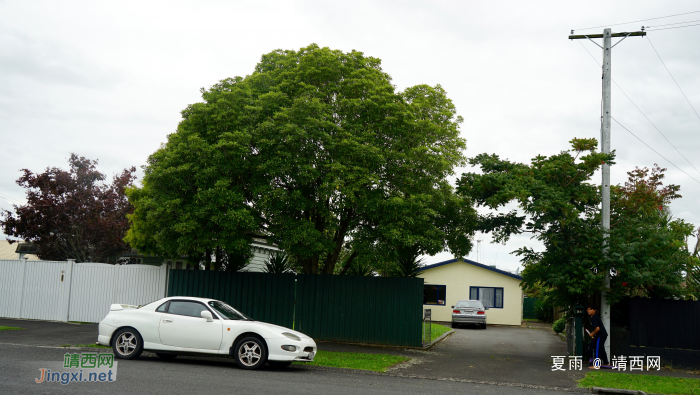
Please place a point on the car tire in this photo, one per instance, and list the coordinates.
(166, 356)
(279, 364)
(454, 325)
(483, 326)
(127, 344)
(250, 353)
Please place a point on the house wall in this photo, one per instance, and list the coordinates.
(261, 252)
(457, 277)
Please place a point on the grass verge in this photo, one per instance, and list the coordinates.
(639, 382)
(354, 360)
(9, 328)
(436, 330)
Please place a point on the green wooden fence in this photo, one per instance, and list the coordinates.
(529, 308)
(353, 309)
(263, 297)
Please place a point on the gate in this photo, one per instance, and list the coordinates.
(529, 308)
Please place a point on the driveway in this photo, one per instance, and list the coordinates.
(498, 354)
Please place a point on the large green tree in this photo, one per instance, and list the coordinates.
(559, 206)
(316, 151)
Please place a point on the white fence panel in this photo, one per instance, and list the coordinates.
(46, 286)
(95, 286)
(11, 278)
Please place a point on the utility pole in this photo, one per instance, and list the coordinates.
(605, 148)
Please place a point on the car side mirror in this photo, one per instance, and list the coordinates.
(207, 315)
(486, 307)
(453, 307)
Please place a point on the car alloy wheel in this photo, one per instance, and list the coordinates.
(127, 344)
(251, 353)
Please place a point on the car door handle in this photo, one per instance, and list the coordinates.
(167, 320)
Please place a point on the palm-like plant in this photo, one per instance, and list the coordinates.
(407, 265)
(361, 268)
(278, 263)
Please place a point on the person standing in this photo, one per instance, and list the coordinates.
(596, 349)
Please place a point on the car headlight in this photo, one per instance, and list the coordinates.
(291, 336)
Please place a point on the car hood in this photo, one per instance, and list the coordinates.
(279, 329)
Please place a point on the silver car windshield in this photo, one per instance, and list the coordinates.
(469, 303)
(228, 312)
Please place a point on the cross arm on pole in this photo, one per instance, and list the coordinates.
(589, 36)
(619, 41)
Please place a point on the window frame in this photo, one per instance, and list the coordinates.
(213, 314)
(444, 293)
(503, 295)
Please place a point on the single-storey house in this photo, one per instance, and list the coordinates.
(462, 279)
(260, 248)
(18, 250)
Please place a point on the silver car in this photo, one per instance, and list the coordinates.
(469, 312)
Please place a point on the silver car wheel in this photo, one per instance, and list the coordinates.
(126, 343)
(249, 353)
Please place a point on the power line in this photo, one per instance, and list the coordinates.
(11, 199)
(668, 28)
(671, 24)
(642, 20)
(644, 115)
(674, 80)
(657, 152)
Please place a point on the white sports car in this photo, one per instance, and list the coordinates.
(197, 326)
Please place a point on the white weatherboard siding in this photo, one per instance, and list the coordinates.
(457, 277)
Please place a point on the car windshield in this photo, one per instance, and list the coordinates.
(228, 312)
(469, 303)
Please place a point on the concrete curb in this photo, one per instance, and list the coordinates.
(438, 340)
(603, 390)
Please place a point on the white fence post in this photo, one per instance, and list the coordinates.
(21, 290)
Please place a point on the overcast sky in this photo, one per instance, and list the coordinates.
(107, 80)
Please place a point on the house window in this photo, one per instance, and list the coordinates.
(434, 294)
(489, 296)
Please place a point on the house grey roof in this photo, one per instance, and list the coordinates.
(477, 264)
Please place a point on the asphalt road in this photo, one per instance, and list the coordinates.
(19, 367)
(23, 353)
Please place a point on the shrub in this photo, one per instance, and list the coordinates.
(544, 311)
(559, 325)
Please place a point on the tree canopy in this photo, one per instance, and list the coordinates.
(73, 214)
(647, 250)
(315, 151)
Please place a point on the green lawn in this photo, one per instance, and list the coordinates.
(639, 382)
(354, 360)
(436, 330)
(9, 328)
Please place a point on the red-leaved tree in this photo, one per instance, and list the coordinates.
(73, 214)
